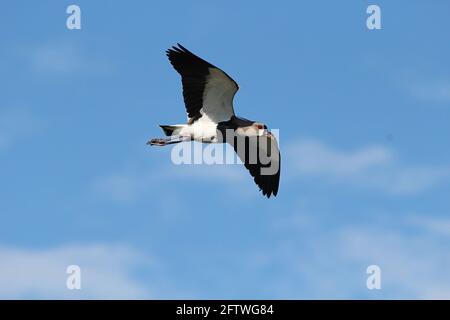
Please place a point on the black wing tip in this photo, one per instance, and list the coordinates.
(178, 48)
(182, 48)
(274, 193)
(270, 192)
(269, 184)
(269, 188)
(179, 52)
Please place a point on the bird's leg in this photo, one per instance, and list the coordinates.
(169, 140)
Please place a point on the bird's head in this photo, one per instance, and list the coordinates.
(259, 129)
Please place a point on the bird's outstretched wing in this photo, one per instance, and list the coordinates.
(207, 90)
(262, 158)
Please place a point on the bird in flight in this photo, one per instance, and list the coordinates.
(208, 94)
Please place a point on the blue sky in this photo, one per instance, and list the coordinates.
(363, 121)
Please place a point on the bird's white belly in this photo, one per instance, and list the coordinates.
(202, 131)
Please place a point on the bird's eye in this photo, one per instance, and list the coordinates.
(260, 126)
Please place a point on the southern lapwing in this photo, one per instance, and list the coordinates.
(208, 96)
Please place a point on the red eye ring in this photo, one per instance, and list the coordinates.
(260, 126)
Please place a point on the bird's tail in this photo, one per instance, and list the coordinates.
(170, 130)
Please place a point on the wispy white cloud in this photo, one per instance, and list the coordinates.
(63, 58)
(373, 167)
(413, 264)
(226, 173)
(121, 187)
(411, 180)
(435, 225)
(106, 272)
(16, 124)
(433, 91)
(313, 157)
(128, 186)
(331, 262)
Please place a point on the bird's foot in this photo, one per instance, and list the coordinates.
(166, 141)
(158, 142)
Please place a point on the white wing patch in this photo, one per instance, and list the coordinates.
(218, 96)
